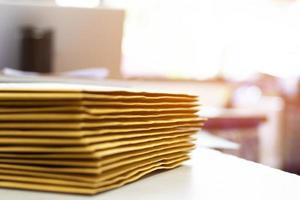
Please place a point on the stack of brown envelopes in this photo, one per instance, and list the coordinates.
(89, 139)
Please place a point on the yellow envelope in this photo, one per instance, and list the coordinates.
(124, 123)
(105, 146)
(95, 132)
(33, 106)
(105, 159)
(77, 117)
(97, 155)
(104, 163)
(137, 175)
(80, 190)
(94, 178)
(88, 139)
(28, 95)
(46, 141)
(51, 87)
(109, 177)
(57, 110)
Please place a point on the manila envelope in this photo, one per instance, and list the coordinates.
(77, 96)
(68, 158)
(101, 124)
(117, 161)
(78, 190)
(109, 160)
(106, 160)
(96, 110)
(77, 117)
(47, 141)
(105, 146)
(95, 132)
(108, 177)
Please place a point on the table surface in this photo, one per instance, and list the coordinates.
(209, 175)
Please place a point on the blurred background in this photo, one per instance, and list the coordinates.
(242, 57)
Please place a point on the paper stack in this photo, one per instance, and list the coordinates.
(89, 139)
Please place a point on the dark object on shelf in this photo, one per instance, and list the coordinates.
(36, 50)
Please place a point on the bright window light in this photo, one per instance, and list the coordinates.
(78, 3)
(203, 38)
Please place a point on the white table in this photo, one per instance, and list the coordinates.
(210, 175)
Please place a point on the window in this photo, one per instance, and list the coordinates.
(202, 38)
(78, 3)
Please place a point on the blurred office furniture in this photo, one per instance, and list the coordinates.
(36, 50)
(286, 115)
(240, 128)
(261, 95)
(292, 139)
(292, 131)
(84, 37)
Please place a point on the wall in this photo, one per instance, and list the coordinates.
(84, 38)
